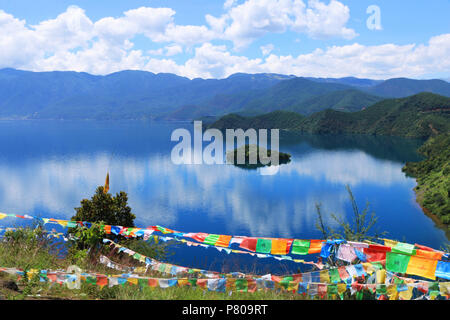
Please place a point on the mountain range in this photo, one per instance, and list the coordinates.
(145, 95)
(418, 116)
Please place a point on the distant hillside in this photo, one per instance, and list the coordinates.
(350, 81)
(402, 87)
(276, 119)
(421, 115)
(289, 94)
(346, 100)
(125, 94)
(145, 95)
(310, 95)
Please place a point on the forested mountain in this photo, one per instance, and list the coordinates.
(421, 115)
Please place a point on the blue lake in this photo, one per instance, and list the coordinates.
(47, 167)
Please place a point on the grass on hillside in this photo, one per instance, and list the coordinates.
(30, 249)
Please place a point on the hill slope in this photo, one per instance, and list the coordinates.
(421, 115)
(403, 87)
(276, 119)
(432, 174)
(125, 94)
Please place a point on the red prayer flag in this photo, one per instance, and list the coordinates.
(102, 281)
(202, 283)
(374, 255)
(153, 282)
(249, 244)
(200, 236)
(378, 247)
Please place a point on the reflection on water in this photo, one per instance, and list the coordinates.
(47, 167)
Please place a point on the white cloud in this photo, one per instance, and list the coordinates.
(229, 3)
(378, 62)
(255, 18)
(266, 49)
(152, 22)
(173, 50)
(71, 41)
(322, 21)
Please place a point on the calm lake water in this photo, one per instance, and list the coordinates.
(47, 167)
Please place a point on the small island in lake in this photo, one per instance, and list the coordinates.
(252, 152)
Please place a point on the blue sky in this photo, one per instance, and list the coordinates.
(310, 38)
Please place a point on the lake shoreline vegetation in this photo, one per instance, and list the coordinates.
(433, 177)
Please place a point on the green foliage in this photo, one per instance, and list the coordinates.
(358, 229)
(85, 238)
(28, 248)
(103, 207)
(433, 176)
(276, 119)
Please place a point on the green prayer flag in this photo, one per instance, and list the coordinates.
(91, 280)
(381, 289)
(263, 245)
(300, 246)
(332, 289)
(211, 239)
(137, 256)
(193, 282)
(404, 248)
(241, 285)
(334, 275)
(397, 262)
(71, 224)
(143, 282)
(285, 282)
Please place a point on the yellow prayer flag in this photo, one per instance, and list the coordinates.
(133, 281)
(342, 287)
(444, 288)
(368, 267)
(392, 292)
(381, 276)
(324, 276)
(62, 223)
(390, 243)
(422, 267)
(3, 215)
(183, 282)
(279, 246)
(407, 294)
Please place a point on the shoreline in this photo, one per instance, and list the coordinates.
(439, 224)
